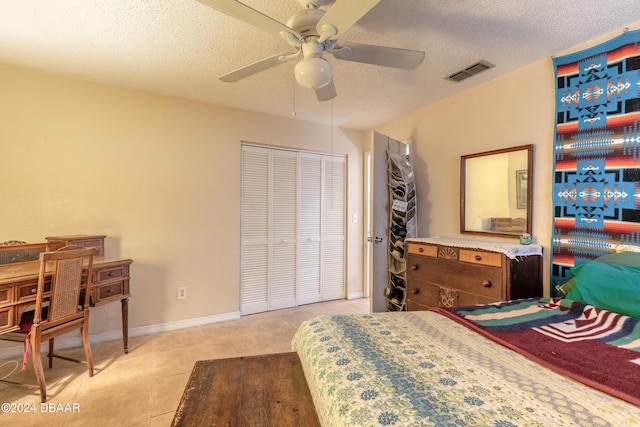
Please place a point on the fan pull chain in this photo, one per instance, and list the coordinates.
(333, 165)
(293, 100)
(332, 126)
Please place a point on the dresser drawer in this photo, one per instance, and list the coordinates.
(29, 289)
(113, 291)
(6, 294)
(6, 318)
(108, 274)
(475, 279)
(493, 259)
(413, 306)
(425, 294)
(422, 296)
(418, 268)
(422, 249)
(465, 299)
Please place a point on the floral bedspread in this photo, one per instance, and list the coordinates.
(423, 369)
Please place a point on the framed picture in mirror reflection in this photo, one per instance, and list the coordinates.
(521, 189)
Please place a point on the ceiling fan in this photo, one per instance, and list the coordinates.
(311, 32)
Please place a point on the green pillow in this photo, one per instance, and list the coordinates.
(613, 286)
(631, 259)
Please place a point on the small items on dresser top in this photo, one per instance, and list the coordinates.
(511, 250)
(525, 239)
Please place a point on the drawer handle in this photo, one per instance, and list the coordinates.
(415, 291)
(486, 283)
(34, 290)
(478, 258)
(414, 267)
(420, 249)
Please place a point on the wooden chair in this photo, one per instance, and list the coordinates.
(59, 310)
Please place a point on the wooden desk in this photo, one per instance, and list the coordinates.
(19, 285)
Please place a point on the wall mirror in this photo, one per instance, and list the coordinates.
(495, 191)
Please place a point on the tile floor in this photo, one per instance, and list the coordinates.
(144, 387)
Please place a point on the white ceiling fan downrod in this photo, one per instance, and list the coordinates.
(311, 4)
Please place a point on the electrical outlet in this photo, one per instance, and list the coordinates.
(182, 293)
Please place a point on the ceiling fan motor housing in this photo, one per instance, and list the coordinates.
(304, 22)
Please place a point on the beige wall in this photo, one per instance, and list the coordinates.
(159, 176)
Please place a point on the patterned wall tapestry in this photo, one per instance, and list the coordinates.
(596, 193)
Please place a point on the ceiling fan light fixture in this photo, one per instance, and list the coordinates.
(313, 72)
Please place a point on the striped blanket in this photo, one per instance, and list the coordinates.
(594, 346)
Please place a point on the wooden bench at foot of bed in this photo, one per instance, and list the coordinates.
(266, 390)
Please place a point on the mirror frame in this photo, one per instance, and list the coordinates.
(463, 159)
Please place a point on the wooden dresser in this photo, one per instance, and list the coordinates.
(449, 272)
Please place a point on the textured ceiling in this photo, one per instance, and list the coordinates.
(180, 47)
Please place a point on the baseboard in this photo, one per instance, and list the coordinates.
(355, 295)
(17, 350)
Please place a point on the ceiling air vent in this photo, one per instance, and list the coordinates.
(470, 71)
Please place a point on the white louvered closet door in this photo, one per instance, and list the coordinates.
(293, 227)
(310, 228)
(333, 229)
(254, 241)
(284, 197)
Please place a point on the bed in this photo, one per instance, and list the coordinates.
(571, 361)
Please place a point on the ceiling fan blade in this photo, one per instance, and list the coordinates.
(258, 66)
(326, 93)
(343, 14)
(249, 15)
(379, 55)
